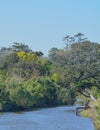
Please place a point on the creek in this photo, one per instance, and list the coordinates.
(57, 118)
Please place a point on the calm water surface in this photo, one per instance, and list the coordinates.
(59, 118)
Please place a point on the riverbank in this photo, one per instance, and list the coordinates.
(93, 113)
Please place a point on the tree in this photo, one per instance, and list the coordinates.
(80, 65)
(20, 47)
(77, 38)
(52, 53)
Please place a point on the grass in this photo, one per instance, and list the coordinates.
(93, 113)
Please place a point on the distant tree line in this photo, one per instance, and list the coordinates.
(29, 80)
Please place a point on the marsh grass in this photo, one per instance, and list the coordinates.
(93, 113)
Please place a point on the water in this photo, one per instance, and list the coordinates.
(59, 118)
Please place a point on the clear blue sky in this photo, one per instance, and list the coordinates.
(42, 24)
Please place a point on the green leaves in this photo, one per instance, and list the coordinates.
(28, 80)
(78, 67)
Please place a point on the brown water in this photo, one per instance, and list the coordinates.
(59, 118)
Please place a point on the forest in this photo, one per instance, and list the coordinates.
(30, 80)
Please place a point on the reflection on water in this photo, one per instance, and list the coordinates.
(59, 118)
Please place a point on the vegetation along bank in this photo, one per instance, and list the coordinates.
(28, 79)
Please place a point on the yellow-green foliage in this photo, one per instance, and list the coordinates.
(28, 57)
(97, 120)
(55, 77)
(98, 111)
(93, 113)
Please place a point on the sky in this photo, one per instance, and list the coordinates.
(42, 24)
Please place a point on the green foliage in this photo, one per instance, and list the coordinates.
(80, 65)
(98, 109)
(20, 47)
(55, 77)
(28, 57)
(28, 80)
(96, 92)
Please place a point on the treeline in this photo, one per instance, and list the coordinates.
(29, 80)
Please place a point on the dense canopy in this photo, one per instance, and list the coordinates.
(29, 80)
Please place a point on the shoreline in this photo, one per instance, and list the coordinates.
(93, 114)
